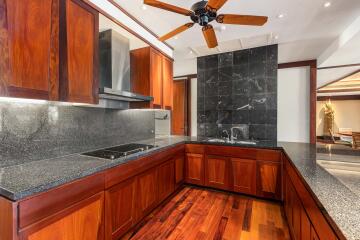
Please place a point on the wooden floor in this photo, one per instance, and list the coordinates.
(205, 214)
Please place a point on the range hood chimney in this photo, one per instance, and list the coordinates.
(115, 81)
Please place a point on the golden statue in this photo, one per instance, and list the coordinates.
(329, 114)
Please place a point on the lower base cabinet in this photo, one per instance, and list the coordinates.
(243, 172)
(216, 172)
(305, 219)
(83, 220)
(166, 179)
(147, 192)
(269, 179)
(120, 208)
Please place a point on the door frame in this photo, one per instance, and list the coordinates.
(187, 80)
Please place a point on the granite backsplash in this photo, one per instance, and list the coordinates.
(36, 131)
(238, 89)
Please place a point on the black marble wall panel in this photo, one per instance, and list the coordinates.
(238, 89)
(32, 131)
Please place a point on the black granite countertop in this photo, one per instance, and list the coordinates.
(339, 200)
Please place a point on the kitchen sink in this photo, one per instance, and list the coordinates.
(220, 140)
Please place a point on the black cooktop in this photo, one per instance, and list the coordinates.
(119, 151)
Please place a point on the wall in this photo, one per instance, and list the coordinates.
(193, 109)
(185, 67)
(238, 89)
(347, 115)
(35, 131)
(294, 104)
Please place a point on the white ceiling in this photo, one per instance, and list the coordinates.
(304, 33)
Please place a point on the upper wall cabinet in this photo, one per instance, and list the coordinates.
(151, 74)
(48, 50)
(79, 35)
(29, 49)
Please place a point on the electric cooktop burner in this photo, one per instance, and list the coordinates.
(119, 151)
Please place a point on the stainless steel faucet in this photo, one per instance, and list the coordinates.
(233, 137)
(227, 134)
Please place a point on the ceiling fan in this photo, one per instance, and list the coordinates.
(203, 13)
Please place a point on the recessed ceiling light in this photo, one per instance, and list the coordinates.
(281, 15)
(176, 37)
(191, 52)
(223, 27)
(327, 4)
(144, 7)
(276, 36)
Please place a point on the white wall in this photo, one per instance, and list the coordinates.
(293, 123)
(185, 67)
(347, 115)
(193, 107)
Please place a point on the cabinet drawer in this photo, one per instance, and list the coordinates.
(193, 148)
(48, 203)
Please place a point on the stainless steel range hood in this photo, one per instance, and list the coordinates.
(115, 70)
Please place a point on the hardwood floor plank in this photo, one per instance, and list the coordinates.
(202, 214)
(247, 218)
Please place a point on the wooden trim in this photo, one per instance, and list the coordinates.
(338, 98)
(313, 81)
(311, 63)
(339, 90)
(188, 107)
(186, 76)
(125, 27)
(347, 75)
(137, 21)
(340, 66)
(8, 219)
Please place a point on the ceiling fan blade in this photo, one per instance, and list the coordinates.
(176, 31)
(241, 19)
(168, 7)
(209, 35)
(216, 4)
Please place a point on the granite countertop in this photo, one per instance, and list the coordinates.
(338, 200)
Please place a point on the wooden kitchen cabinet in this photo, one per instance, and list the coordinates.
(269, 179)
(120, 208)
(216, 172)
(84, 220)
(167, 71)
(166, 179)
(151, 75)
(194, 168)
(244, 175)
(147, 192)
(79, 62)
(179, 169)
(49, 50)
(29, 49)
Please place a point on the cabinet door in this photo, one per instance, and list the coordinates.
(29, 49)
(269, 179)
(244, 175)
(216, 172)
(156, 77)
(79, 53)
(194, 168)
(167, 70)
(81, 221)
(314, 235)
(179, 169)
(166, 179)
(147, 192)
(119, 208)
(305, 226)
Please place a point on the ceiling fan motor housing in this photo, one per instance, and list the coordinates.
(201, 14)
